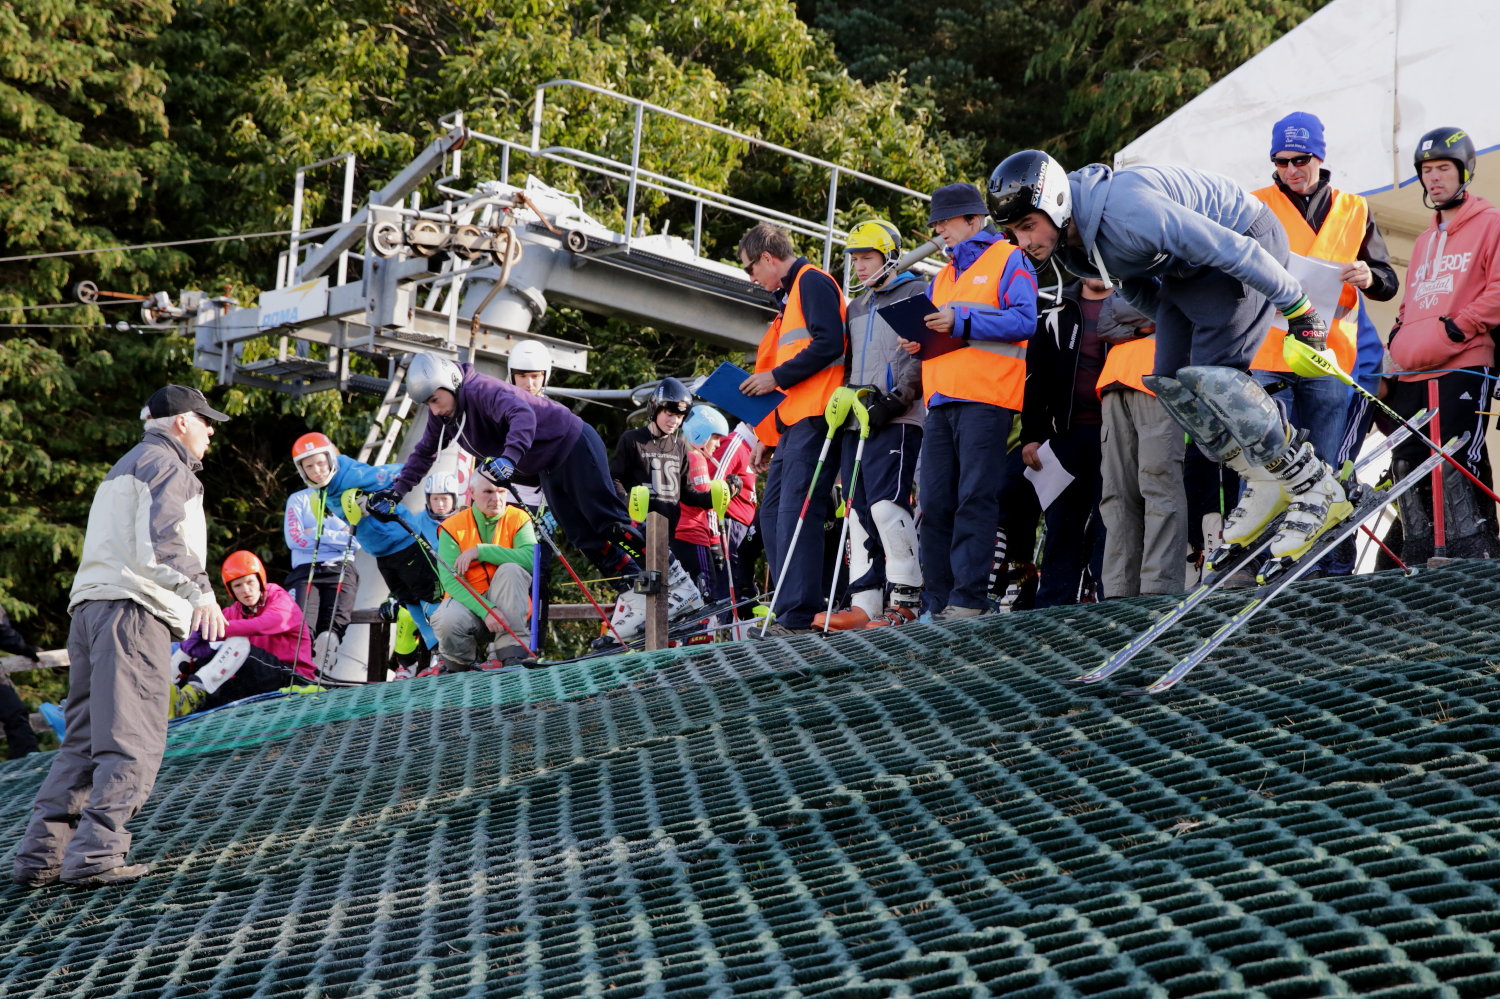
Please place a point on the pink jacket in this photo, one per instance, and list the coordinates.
(1454, 272)
(274, 629)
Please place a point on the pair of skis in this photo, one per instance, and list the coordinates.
(1369, 502)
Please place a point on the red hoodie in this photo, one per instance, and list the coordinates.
(1454, 272)
(275, 628)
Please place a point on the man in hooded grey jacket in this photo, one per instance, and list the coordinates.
(1207, 261)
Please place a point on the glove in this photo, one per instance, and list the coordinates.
(389, 609)
(382, 505)
(885, 408)
(547, 522)
(735, 484)
(497, 470)
(1306, 325)
(195, 646)
(1451, 328)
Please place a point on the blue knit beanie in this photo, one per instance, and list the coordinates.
(1298, 132)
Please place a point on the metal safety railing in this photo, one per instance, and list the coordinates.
(625, 168)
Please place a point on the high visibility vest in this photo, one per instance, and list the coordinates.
(1127, 364)
(986, 370)
(784, 339)
(1339, 240)
(463, 528)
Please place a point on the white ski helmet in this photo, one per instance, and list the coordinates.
(428, 373)
(530, 355)
(441, 484)
(702, 423)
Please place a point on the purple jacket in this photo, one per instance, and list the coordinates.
(494, 419)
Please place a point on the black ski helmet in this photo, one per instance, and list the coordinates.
(1446, 143)
(671, 395)
(1026, 182)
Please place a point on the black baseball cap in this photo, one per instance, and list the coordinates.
(174, 400)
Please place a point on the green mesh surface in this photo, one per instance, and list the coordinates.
(904, 812)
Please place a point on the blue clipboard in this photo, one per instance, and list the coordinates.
(906, 318)
(722, 388)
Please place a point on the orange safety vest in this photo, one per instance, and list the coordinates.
(784, 339)
(986, 370)
(1127, 364)
(1339, 240)
(463, 528)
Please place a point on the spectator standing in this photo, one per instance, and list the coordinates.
(882, 532)
(1063, 363)
(1327, 224)
(1143, 501)
(1444, 335)
(986, 296)
(140, 584)
(801, 354)
(14, 717)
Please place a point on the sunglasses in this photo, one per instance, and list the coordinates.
(750, 268)
(1296, 161)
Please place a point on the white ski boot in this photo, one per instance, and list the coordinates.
(629, 617)
(682, 593)
(1262, 499)
(1318, 502)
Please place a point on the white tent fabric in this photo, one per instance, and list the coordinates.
(1378, 73)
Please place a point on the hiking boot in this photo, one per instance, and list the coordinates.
(185, 700)
(955, 613)
(1262, 499)
(893, 616)
(34, 879)
(844, 620)
(1318, 503)
(124, 874)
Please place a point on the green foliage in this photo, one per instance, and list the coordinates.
(1079, 78)
(1125, 66)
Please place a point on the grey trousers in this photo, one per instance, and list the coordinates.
(1143, 502)
(460, 631)
(116, 733)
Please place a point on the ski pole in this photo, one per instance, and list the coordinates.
(1331, 367)
(437, 562)
(834, 413)
(552, 544)
(862, 415)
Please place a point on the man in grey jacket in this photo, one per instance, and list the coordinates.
(883, 535)
(140, 584)
(1207, 262)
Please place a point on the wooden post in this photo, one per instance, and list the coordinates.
(657, 539)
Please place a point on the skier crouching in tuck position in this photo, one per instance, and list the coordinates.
(1208, 262)
(509, 430)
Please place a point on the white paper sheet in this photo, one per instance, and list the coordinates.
(1320, 283)
(1052, 479)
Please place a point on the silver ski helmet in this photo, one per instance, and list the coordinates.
(441, 484)
(428, 373)
(1026, 182)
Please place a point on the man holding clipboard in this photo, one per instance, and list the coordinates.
(801, 354)
(973, 354)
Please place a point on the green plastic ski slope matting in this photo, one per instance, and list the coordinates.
(914, 811)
